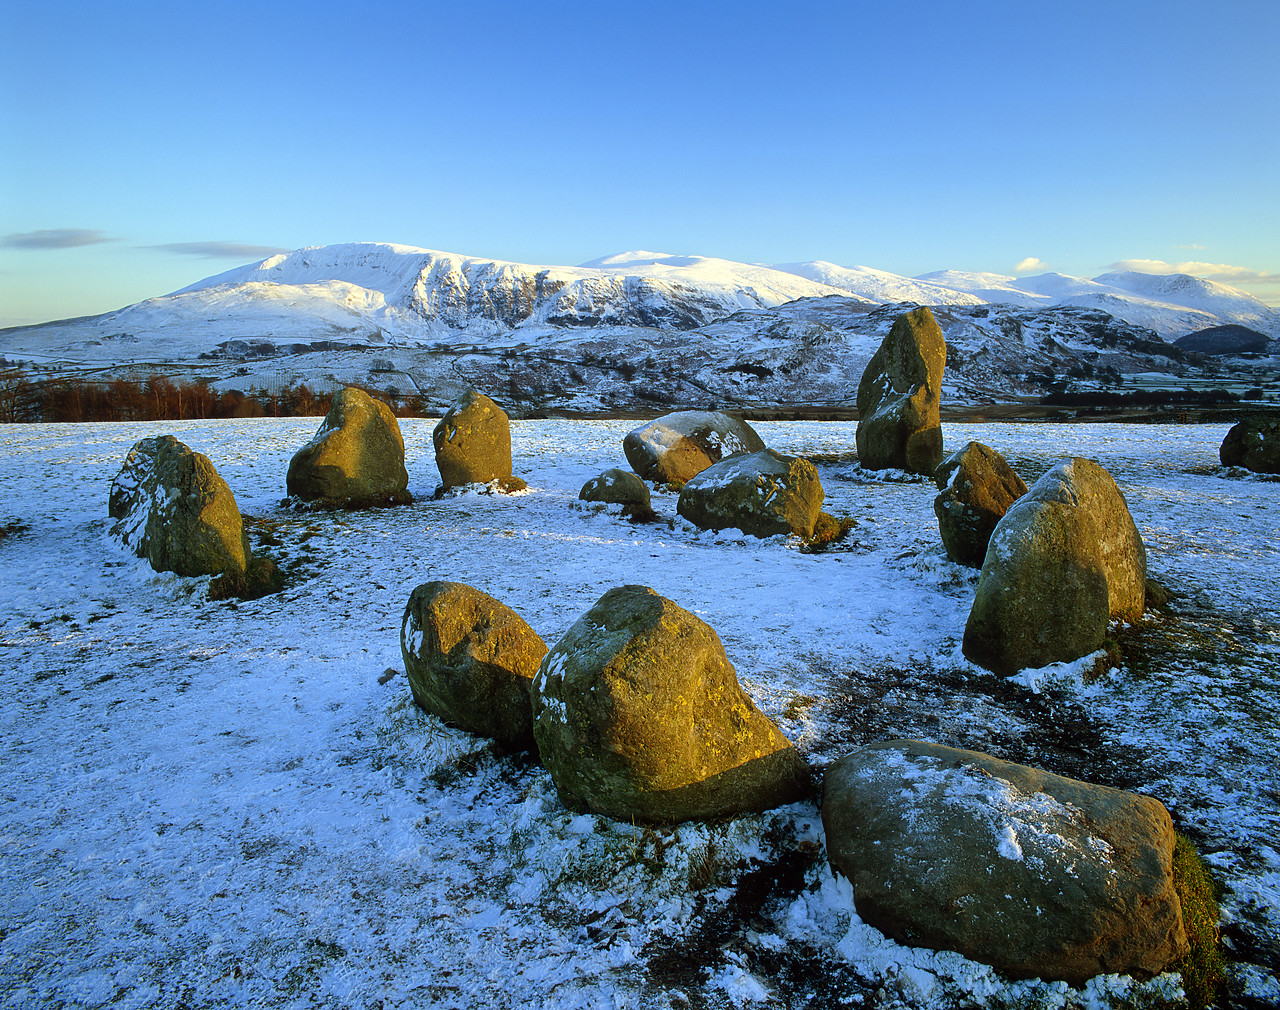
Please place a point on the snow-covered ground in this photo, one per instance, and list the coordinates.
(237, 804)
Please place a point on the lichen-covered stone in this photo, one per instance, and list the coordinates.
(173, 509)
(977, 487)
(763, 493)
(470, 660)
(675, 447)
(473, 443)
(639, 716)
(1254, 444)
(355, 459)
(1064, 561)
(899, 397)
(618, 487)
(1038, 875)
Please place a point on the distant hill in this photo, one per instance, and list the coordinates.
(1229, 339)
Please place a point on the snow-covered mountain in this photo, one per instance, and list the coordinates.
(628, 329)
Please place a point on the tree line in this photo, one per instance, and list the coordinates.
(159, 398)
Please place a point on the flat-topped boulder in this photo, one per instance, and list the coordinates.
(1065, 560)
(473, 444)
(675, 447)
(470, 660)
(639, 716)
(976, 487)
(899, 425)
(1038, 875)
(618, 487)
(1254, 444)
(763, 493)
(172, 508)
(355, 459)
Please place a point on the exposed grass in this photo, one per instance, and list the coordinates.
(827, 530)
(1204, 968)
(11, 528)
(262, 578)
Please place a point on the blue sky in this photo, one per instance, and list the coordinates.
(144, 146)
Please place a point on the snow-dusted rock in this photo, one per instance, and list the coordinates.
(470, 660)
(473, 443)
(618, 487)
(173, 509)
(899, 396)
(1033, 873)
(1065, 559)
(1254, 444)
(639, 716)
(675, 447)
(355, 459)
(764, 493)
(977, 487)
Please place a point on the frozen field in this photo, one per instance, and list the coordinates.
(211, 804)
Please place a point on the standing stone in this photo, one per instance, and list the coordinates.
(355, 459)
(763, 493)
(639, 716)
(673, 448)
(471, 660)
(1038, 875)
(1254, 444)
(173, 509)
(473, 443)
(899, 395)
(1064, 561)
(977, 486)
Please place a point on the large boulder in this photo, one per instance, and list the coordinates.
(1254, 444)
(473, 443)
(1035, 874)
(639, 716)
(618, 487)
(899, 396)
(173, 509)
(355, 459)
(673, 448)
(1064, 561)
(977, 487)
(471, 660)
(763, 493)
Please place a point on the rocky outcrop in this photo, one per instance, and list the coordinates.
(1064, 561)
(763, 493)
(675, 447)
(355, 459)
(1254, 444)
(639, 716)
(1035, 874)
(473, 444)
(173, 509)
(977, 487)
(899, 396)
(618, 487)
(471, 660)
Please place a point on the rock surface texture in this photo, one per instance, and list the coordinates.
(1035, 874)
(1254, 444)
(173, 509)
(473, 442)
(764, 493)
(899, 396)
(1064, 561)
(639, 716)
(618, 487)
(355, 459)
(977, 487)
(675, 447)
(470, 660)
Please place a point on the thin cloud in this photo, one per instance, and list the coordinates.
(1193, 247)
(1259, 283)
(54, 238)
(1030, 264)
(220, 250)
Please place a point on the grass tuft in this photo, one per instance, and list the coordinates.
(261, 579)
(1204, 968)
(827, 530)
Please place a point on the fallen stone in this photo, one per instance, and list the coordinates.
(763, 493)
(1254, 444)
(675, 447)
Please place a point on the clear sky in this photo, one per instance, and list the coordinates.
(144, 146)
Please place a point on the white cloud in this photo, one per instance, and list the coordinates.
(1193, 246)
(1030, 264)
